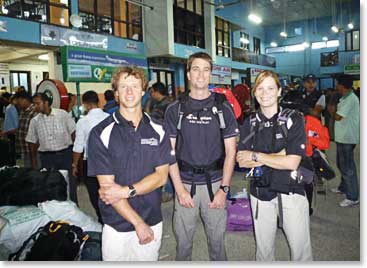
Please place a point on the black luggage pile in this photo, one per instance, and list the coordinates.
(23, 186)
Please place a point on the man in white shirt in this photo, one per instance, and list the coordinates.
(51, 132)
(94, 116)
(347, 120)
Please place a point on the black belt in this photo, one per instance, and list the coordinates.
(187, 167)
(55, 152)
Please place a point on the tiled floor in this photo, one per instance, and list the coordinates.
(335, 231)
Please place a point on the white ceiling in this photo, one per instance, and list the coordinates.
(12, 54)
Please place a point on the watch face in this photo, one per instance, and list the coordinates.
(132, 192)
(225, 189)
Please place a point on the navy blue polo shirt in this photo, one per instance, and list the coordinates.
(294, 144)
(200, 141)
(116, 148)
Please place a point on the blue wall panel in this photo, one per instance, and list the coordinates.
(183, 51)
(21, 30)
(125, 45)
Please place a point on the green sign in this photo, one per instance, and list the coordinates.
(91, 65)
(352, 69)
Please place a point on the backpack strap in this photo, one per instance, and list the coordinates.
(218, 108)
(254, 127)
(282, 120)
(182, 99)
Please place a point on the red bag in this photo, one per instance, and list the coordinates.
(317, 135)
(231, 99)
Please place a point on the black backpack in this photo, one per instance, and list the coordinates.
(56, 241)
(24, 186)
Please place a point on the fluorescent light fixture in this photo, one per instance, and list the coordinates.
(332, 43)
(318, 45)
(335, 29)
(294, 48)
(43, 57)
(350, 25)
(325, 38)
(255, 18)
(306, 44)
(283, 34)
(273, 44)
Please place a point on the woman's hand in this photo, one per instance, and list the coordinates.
(244, 159)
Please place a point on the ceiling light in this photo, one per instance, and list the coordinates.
(283, 34)
(335, 29)
(273, 44)
(43, 57)
(255, 18)
(306, 44)
(325, 38)
(350, 25)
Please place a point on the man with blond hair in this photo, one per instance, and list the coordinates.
(129, 154)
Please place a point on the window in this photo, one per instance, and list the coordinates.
(195, 6)
(352, 40)
(189, 22)
(295, 47)
(20, 78)
(244, 40)
(47, 11)
(117, 17)
(222, 36)
(257, 46)
(319, 45)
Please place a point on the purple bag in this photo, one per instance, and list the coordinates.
(239, 216)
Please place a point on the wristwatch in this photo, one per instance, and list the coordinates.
(132, 191)
(224, 188)
(254, 156)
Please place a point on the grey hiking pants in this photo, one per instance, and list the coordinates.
(185, 222)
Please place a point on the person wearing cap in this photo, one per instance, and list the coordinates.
(347, 118)
(313, 100)
(203, 137)
(130, 153)
(313, 104)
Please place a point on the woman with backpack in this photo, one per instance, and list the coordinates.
(272, 144)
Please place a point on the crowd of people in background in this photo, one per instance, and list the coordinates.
(134, 148)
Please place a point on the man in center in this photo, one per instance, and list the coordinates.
(203, 130)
